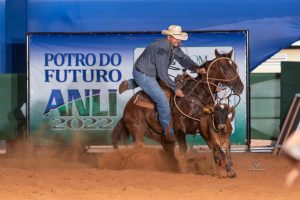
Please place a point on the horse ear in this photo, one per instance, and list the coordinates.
(217, 54)
(230, 53)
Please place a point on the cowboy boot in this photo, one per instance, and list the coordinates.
(169, 135)
(123, 86)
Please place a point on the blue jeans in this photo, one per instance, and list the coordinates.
(153, 90)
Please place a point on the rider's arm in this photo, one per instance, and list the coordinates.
(184, 60)
(162, 65)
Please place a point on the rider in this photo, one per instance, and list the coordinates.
(152, 65)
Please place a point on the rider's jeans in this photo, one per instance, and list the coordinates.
(152, 88)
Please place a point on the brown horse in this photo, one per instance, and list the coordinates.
(139, 121)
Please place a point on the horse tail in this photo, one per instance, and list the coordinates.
(119, 133)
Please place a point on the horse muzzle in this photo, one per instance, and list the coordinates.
(222, 127)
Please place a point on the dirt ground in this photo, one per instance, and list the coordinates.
(143, 174)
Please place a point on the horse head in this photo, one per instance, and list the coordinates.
(223, 69)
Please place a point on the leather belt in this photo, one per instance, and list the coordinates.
(137, 69)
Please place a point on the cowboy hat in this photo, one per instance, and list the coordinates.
(176, 32)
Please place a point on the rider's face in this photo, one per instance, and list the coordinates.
(174, 42)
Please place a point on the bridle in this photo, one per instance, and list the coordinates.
(216, 79)
(207, 81)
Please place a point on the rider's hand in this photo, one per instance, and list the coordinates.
(201, 70)
(179, 93)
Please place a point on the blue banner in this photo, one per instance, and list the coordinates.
(74, 79)
(272, 24)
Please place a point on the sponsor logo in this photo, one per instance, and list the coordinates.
(81, 108)
(79, 112)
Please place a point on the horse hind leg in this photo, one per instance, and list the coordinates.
(139, 136)
(169, 149)
(138, 139)
(136, 125)
(119, 133)
(153, 135)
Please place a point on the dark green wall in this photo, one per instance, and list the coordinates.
(290, 85)
(12, 95)
(265, 105)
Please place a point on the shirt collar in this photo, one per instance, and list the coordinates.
(166, 45)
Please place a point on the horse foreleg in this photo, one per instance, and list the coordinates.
(226, 158)
(217, 157)
(228, 162)
(216, 153)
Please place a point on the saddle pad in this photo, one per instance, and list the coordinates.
(143, 100)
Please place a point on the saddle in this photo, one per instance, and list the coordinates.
(181, 80)
(143, 100)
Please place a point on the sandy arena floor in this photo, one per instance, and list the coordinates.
(143, 174)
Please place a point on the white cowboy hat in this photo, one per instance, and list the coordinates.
(176, 32)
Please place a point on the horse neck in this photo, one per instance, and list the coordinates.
(200, 91)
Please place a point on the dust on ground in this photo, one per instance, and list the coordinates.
(62, 173)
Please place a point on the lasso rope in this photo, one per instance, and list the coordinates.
(208, 84)
(183, 112)
(226, 80)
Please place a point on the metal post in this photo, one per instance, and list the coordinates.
(2, 146)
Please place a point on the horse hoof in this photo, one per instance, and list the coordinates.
(231, 174)
(138, 145)
(218, 162)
